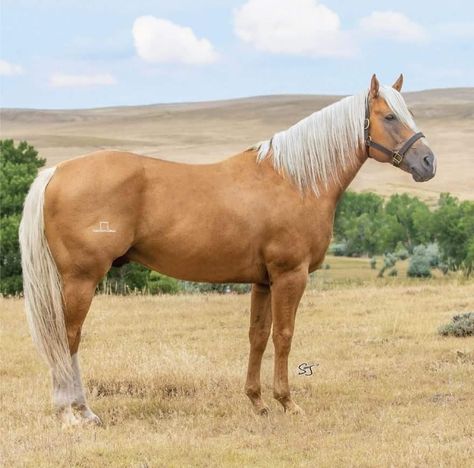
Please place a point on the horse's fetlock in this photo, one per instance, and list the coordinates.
(252, 392)
(282, 396)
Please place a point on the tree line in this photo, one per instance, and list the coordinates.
(365, 224)
(403, 225)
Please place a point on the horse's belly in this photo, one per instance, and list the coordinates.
(204, 262)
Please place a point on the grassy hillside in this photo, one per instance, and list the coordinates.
(166, 374)
(209, 131)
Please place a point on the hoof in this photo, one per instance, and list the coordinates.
(264, 410)
(295, 409)
(92, 420)
(89, 417)
(68, 419)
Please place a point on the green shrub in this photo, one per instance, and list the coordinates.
(220, 288)
(443, 268)
(373, 263)
(401, 252)
(339, 249)
(393, 272)
(389, 260)
(419, 266)
(460, 325)
(432, 252)
(161, 284)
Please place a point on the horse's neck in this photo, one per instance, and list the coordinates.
(333, 192)
(334, 189)
(348, 174)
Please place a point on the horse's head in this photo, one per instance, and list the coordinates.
(391, 134)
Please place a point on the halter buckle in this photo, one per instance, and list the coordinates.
(397, 159)
(366, 124)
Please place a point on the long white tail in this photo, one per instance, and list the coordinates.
(42, 284)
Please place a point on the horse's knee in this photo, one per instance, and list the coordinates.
(282, 339)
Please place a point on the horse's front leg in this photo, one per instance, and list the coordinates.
(286, 291)
(260, 325)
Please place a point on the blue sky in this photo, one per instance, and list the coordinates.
(75, 54)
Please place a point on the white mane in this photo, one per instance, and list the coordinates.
(314, 151)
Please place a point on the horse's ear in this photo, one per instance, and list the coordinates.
(374, 87)
(398, 84)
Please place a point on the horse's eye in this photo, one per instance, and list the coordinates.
(390, 117)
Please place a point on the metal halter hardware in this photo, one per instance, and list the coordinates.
(396, 155)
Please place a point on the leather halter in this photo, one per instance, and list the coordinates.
(396, 155)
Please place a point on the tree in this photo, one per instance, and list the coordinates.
(408, 222)
(351, 206)
(129, 278)
(362, 236)
(453, 228)
(161, 284)
(358, 222)
(19, 167)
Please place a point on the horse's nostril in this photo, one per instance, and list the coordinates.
(428, 160)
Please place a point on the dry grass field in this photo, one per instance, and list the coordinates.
(208, 131)
(166, 374)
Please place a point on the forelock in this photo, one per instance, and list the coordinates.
(398, 106)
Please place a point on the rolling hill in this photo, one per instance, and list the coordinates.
(204, 132)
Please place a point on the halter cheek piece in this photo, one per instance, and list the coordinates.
(396, 155)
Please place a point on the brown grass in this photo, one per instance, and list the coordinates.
(166, 375)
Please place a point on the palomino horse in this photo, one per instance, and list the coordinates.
(264, 217)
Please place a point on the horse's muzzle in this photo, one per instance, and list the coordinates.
(424, 169)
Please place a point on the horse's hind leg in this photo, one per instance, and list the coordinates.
(260, 325)
(79, 401)
(78, 294)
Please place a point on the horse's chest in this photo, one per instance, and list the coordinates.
(320, 241)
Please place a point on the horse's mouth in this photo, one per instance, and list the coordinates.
(417, 177)
(421, 178)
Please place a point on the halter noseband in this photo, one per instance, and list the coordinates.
(396, 155)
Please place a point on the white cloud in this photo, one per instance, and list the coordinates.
(10, 69)
(296, 27)
(60, 80)
(393, 25)
(159, 40)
